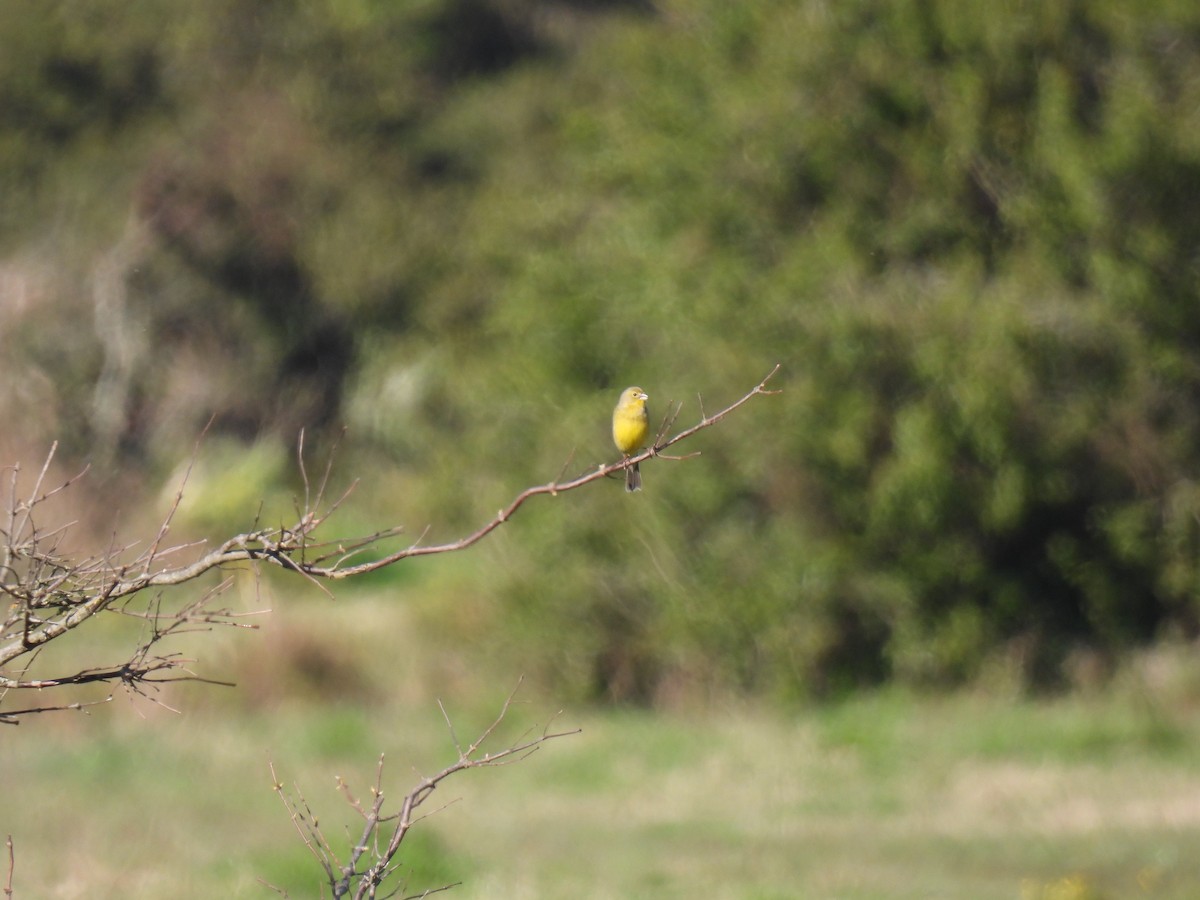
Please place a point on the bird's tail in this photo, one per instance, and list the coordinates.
(633, 478)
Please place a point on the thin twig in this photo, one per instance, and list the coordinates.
(450, 728)
(557, 478)
(305, 824)
(152, 554)
(10, 717)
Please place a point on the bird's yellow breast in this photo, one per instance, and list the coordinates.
(631, 423)
(629, 433)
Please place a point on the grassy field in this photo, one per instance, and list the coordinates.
(882, 796)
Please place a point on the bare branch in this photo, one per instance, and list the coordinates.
(10, 717)
(52, 595)
(553, 489)
(373, 856)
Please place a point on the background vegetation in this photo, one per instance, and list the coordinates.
(459, 227)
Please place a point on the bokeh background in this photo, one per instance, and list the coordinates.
(443, 234)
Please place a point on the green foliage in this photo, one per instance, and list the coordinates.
(967, 232)
(68, 77)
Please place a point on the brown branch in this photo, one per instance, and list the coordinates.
(144, 668)
(467, 759)
(353, 878)
(53, 596)
(553, 489)
(10, 717)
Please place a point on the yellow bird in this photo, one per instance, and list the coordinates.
(631, 425)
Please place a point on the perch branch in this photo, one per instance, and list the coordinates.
(51, 596)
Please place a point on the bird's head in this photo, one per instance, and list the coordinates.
(634, 396)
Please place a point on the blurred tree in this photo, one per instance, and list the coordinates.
(463, 225)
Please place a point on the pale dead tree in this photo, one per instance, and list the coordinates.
(50, 594)
(372, 861)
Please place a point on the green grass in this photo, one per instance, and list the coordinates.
(885, 795)
(881, 797)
